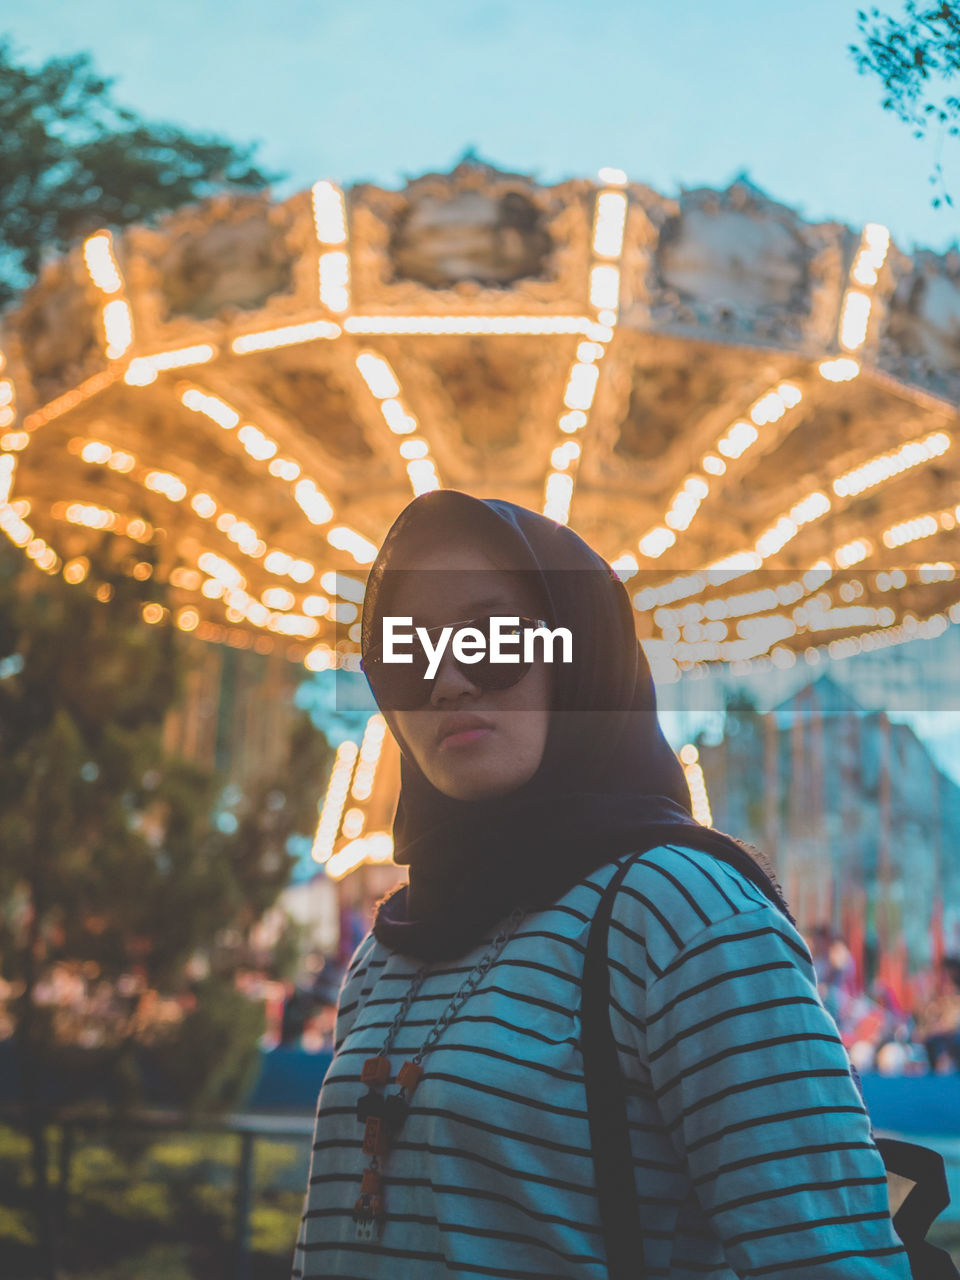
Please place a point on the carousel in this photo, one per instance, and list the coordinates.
(752, 416)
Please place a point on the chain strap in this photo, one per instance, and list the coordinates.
(401, 1013)
(469, 983)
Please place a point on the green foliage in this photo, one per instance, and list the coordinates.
(213, 1061)
(73, 160)
(167, 1216)
(910, 55)
(113, 870)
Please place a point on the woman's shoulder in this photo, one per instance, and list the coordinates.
(673, 894)
(365, 954)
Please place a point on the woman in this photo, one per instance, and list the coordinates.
(452, 1135)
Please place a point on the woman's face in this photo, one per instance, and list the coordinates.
(504, 748)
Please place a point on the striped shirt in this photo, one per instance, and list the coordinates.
(753, 1153)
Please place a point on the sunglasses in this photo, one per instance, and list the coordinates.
(403, 686)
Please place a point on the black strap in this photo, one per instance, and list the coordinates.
(607, 1101)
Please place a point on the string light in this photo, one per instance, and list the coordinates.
(581, 386)
(736, 440)
(656, 541)
(605, 288)
(334, 274)
(284, 468)
(71, 399)
(378, 375)
(689, 757)
(290, 335)
(341, 584)
(383, 384)
(839, 370)
(203, 505)
(787, 527)
(165, 482)
(610, 215)
(376, 847)
(874, 243)
(940, 571)
(855, 309)
(371, 746)
(685, 503)
(334, 801)
(852, 553)
(118, 328)
(312, 502)
(101, 263)
(885, 465)
(609, 223)
(258, 445)
(355, 544)
(319, 658)
(329, 215)
(211, 406)
(278, 598)
(8, 469)
(854, 319)
(558, 494)
(76, 570)
(625, 567)
(143, 370)
(910, 530)
(116, 315)
(90, 515)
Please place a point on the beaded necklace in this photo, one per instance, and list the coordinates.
(383, 1115)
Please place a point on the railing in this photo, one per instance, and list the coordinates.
(249, 1128)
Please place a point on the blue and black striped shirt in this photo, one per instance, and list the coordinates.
(753, 1155)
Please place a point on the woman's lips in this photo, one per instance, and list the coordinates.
(464, 738)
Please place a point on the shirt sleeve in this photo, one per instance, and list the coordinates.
(753, 1082)
(352, 989)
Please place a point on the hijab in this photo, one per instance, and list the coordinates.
(608, 782)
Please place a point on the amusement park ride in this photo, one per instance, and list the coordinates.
(753, 417)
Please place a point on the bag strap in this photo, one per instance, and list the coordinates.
(607, 1100)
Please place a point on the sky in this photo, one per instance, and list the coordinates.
(685, 93)
(680, 94)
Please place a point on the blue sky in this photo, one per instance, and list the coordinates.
(688, 92)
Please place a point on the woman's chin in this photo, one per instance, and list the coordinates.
(478, 779)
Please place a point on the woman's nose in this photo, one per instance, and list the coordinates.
(451, 682)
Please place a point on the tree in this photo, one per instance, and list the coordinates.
(114, 876)
(910, 55)
(72, 160)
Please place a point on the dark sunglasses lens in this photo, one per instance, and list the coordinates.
(495, 675)
(398, 686)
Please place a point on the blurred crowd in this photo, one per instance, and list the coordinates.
(895, 1025)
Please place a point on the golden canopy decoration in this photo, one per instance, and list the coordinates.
(752, 416)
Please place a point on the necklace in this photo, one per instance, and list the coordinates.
(383, 1115)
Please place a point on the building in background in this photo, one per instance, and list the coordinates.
(862, 826)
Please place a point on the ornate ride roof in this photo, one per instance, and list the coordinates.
(751, 415)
